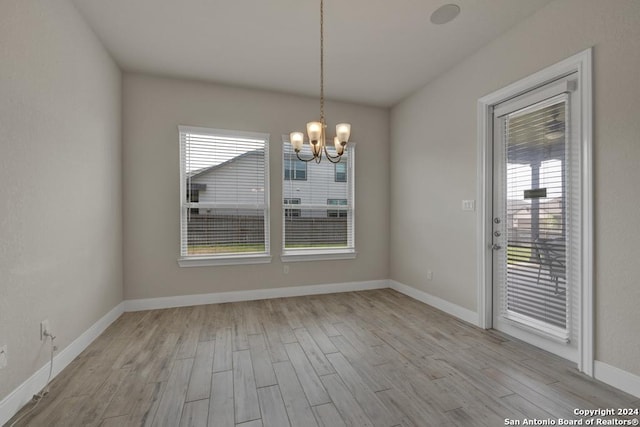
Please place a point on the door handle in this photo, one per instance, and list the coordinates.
(496, 247)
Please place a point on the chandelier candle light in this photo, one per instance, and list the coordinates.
(317, 130)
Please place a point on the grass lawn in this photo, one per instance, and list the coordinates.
(248, 248)
(518, 254)
(316, 245)
(223, 249)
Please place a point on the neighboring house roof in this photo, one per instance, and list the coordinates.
(198, 172)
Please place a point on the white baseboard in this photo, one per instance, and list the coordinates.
(446, 306)
(257, 294)
(616, 377)
(23, 394)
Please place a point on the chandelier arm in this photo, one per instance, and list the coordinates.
(303, 160)
(332, 159)
(321, 142)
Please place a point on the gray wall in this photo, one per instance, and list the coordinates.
(434, 143)
(152, 110)
(60, 175)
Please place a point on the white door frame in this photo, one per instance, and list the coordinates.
(582, 64)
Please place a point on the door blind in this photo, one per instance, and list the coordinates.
(224, 193)
(535, 269)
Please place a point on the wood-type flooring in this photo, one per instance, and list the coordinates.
(372, 358)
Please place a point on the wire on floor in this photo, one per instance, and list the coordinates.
(40, 395)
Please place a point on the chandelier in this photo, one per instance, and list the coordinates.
(317, 130)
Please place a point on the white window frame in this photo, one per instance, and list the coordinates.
(335, 213)
(325, 254)
(223, 259)
(293, 173)
(291, 201)
(335, 171)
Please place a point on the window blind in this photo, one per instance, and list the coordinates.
(323, 220)
(536, 211)
(224, 193)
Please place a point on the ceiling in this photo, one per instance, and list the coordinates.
(376, 51)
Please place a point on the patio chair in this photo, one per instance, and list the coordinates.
(551, 257)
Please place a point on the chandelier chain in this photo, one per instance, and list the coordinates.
(322, 62)
(318, 137)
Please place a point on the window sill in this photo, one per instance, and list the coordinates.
(311, 255)
(227, 260)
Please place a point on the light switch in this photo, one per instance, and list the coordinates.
(468, 205)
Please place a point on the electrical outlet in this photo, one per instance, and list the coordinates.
(286, 269)
(44, 329)
(3, 356)
(429, 275)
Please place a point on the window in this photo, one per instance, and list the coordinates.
(224, 183)
(322, 224)
(193, 195)
(337, 213)
(295, 169)
(341, 172)
(291, 212)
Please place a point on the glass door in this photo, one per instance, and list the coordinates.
(532, 219)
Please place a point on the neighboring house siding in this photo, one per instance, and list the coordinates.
(317, 189)
(220, 185)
